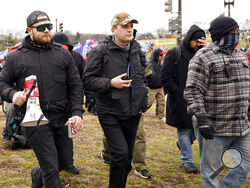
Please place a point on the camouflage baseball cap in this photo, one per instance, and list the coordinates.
(122, 19)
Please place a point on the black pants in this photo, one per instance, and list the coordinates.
(120, 135)
(53, 149)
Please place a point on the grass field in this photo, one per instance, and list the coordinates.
(163, 160)
(163, 157)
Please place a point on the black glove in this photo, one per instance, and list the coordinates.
(205, 126)
(1, 100)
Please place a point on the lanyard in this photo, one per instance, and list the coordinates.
(128, 69)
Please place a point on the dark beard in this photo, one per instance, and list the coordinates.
(39, 45)
(40, 41)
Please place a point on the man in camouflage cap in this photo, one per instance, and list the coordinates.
(115, 72)
(139, 154)
(122, 19)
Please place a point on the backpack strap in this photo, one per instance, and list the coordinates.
(177, 54)
(104, 49)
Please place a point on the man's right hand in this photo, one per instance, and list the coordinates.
(119, 83)
(205, 126)
(19, 98)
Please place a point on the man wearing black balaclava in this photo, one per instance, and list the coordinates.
(217, 93)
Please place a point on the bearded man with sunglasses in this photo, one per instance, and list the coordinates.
(60, 96)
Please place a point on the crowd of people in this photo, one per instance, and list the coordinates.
(207, 88)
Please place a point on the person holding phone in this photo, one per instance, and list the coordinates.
(115, 72)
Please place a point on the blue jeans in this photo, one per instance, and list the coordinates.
(211, 161)
(186, 138)
(197, 134)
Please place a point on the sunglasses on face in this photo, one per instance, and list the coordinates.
(42, 28)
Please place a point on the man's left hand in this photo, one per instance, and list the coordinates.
(78, 123)
(205, 126)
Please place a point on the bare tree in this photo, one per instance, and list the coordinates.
(161, 32)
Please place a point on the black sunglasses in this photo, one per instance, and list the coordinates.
(43, 27)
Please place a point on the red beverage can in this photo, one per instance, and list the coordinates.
(71, 128)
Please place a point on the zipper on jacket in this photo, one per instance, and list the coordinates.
(41, 89)
(47, 110)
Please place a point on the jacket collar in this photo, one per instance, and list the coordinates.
(27, 44)
(134, 46)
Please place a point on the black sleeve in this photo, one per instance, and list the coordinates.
(143, 58)
(79, 62)
(92, 75)
(8, 76)
(74, 85)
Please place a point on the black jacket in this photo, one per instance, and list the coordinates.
(155, 81)
(58, 82)
(106, 61)
(173, 78)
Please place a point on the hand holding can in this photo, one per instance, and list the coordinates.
(74, 124)
(71, 128)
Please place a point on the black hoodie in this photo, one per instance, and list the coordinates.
(155, 81)
(173, 78)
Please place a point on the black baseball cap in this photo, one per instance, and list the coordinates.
(33, 17)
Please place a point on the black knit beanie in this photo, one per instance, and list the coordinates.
(221, 26)
(197, 35)
(62, 38)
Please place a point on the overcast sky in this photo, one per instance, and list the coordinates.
(94, 16)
